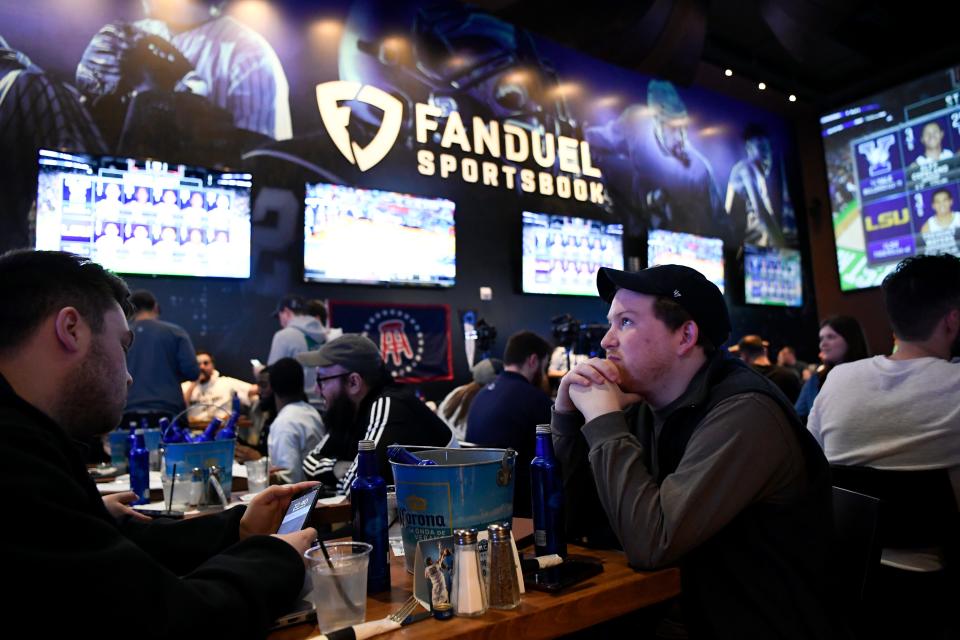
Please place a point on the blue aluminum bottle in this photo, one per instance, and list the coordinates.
(546, 486)
(140, 469)
(368, 497)
(398, 454)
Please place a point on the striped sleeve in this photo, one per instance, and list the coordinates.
(318, 467)
(379, 417)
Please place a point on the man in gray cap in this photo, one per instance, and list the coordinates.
(363, 403)
(691, 458)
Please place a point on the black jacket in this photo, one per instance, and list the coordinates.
(74, 568)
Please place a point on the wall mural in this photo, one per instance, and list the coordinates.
(435, 99)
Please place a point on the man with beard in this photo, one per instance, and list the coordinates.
(363, 403)
(160, 359)
(63, 377)
(211, 394)
(912, 418)
(693, 458)
(506, 412)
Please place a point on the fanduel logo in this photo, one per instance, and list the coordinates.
(336, 118)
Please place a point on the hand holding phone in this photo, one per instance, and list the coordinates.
(298, 513)
(268, 509)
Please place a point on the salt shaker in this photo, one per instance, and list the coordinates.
(502, 586)
(469, 595)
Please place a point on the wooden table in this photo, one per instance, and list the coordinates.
(615, 592)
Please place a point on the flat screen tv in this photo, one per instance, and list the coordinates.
(561, 254)
(144, 216)
(893, 165)
(365, 236)
(772, 276)
(697, 252)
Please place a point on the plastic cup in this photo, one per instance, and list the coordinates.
(181, 499)
(339, 593)
(258, 477)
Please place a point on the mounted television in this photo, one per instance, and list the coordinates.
(697, 252)
(145, 217)
(893, 165)
(561, 255)
(772, 276)
(364, 236)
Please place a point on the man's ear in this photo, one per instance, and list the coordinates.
(952, 320)
(689, 334)
(69, 329)
(533, 362)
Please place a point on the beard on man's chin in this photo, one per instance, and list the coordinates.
(339, 414)
(88, 407)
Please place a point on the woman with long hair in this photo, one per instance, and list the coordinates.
(456, 406)
(841, 340)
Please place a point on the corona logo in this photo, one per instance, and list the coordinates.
(336, 119)
(416, 503)
(888, 219)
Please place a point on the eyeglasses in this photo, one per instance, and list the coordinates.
(320, 380)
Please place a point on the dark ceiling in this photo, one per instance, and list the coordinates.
(826, 51)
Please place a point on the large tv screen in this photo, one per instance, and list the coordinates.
(894, 177)
(561, 254)
(145, 217)
(364, 236)
(772, 276)
(697, 252)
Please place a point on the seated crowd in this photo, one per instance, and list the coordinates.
(671, 448)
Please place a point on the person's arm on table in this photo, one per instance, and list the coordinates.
(68, 542)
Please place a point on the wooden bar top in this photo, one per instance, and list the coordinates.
(615, 592)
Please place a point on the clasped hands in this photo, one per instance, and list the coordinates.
(593, 389)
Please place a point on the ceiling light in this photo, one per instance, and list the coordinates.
(762, 86)
(792, 98)
(728, 72)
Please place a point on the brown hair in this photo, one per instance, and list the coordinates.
(674, 316)
(461, 400)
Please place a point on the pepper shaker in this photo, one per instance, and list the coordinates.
(503, 588)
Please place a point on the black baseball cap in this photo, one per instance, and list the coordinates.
(352, 351)
(685, 286)
(295, 303)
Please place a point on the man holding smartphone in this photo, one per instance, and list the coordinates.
(63, 377)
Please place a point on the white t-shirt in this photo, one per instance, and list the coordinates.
(891, 414)
(294, 433)
(216, 392)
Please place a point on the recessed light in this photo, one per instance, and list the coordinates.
(792, 98)
(728, 72)
(762, 86)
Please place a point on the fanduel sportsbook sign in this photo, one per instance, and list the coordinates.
(484, 152)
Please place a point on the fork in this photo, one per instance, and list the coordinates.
(401, 614)
(375, 627)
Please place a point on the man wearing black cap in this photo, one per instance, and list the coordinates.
(363, 403)
(299, 332)
(696, 461)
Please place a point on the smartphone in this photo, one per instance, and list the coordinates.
(562, 576)
(157, 513)
(303, 611)
(298, 513)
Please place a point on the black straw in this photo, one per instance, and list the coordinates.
(173, 483)
(336, 580)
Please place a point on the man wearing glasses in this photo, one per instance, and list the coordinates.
(363, 403)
